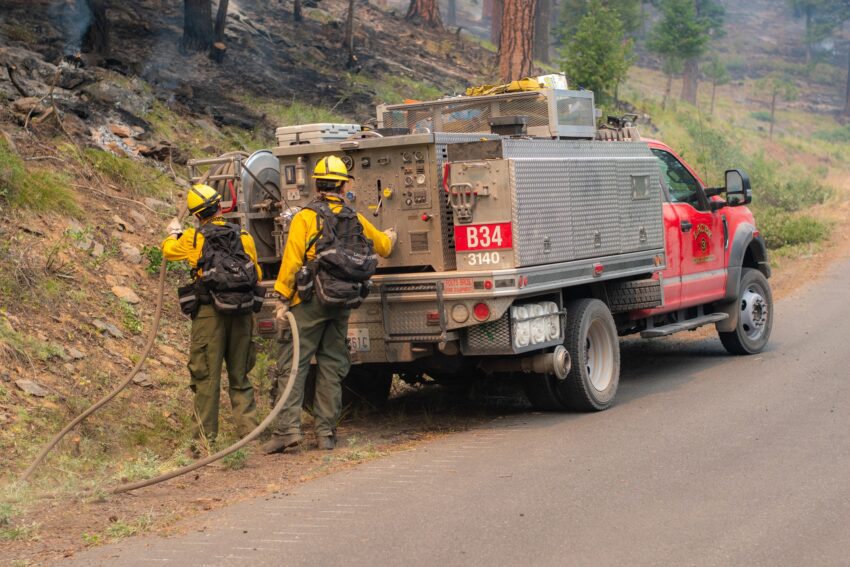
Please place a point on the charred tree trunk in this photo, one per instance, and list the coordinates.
(424, 13)
(516, 39)
(542, 17)
(690, 81)
(348, 40)
(297, 15)
(451, 13)
(498, 7)
(197, 25)
(96, 37)
(808, 35)
(219, 48)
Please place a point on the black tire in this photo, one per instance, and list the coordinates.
(631, 295)
(755, 315)
(592, 341)
(542, 392)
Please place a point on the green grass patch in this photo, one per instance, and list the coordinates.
(760, 115)
(295, 112)
(139, 178)
(839, 135)
(782, 229)
(35, 188)
(236, 460)
(129, 318)
(146, 465)
(26, 346)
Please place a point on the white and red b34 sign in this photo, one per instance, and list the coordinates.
(491, 236)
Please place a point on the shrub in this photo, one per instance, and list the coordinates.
(836, 135)
(784, 229)
(761, 115)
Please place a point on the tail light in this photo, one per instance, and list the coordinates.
(265, 326)
(481, 311)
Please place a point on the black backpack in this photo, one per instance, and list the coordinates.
(345, 259)
(227, 273)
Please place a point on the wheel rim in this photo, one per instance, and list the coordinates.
(599, 363)
(755, 313)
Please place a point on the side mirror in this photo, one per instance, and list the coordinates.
(738, 190)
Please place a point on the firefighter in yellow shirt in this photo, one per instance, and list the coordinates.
(217, 337)
(322, 327)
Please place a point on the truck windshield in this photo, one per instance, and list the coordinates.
(683, 187)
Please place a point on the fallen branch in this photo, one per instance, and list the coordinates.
(49, 94)
(105, 194)
(11, 68)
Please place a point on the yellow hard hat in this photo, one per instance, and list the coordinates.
(201, 198)
(333, 168)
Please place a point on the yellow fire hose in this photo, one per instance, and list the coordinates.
(148, 346)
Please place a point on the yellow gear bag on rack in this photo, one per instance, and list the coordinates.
(526, 84)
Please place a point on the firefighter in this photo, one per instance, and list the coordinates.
(216, 336)
(322, 328)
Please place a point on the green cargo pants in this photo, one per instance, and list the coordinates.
(322, 331)
(217, 338)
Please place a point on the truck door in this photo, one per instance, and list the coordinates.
(699, 276)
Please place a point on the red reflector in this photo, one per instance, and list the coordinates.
(598, 269)
(432, 317)
(488, 284)
(426, 217)
(265, 325)
(481, 311)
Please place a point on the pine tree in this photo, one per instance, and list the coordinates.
(598, 56)
(683, 33)
(777, 87)
(516, 39)
(572, 11)
(424, 13)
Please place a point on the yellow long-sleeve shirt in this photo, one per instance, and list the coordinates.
(303, 229)
(189, 249)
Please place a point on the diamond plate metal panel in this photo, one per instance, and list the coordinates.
(488, 338)
(639, 216)
(411, 318)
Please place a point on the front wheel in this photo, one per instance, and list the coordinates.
(755, 315)
(592, 342)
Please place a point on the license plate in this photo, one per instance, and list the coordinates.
(358, 340)
(493, 236)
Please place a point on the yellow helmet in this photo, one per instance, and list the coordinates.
(332, 168)
(202, 199)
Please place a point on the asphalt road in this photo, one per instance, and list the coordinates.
(706, 459)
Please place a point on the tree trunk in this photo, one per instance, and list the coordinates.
(772, 114)
(197, 25)
(667, 90)
(297, 14)
(808, 35)
(847, 91)
(542, 17)
(424, 13)
(96, 37)
(451, 13)
(219, 48)
(348, 40)
(496, 21)
(713, 95)
(690, 81)
(487, 10)
(516, 39)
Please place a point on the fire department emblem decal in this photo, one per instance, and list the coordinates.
(702, 244)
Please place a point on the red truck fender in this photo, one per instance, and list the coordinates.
(748, 250)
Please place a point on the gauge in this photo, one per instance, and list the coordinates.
(419, 156)
(408, 180)
(405, 156)
(349, 162)
(420, 179)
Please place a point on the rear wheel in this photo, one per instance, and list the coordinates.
(592, 341)
(755, 315)
(542, 392)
